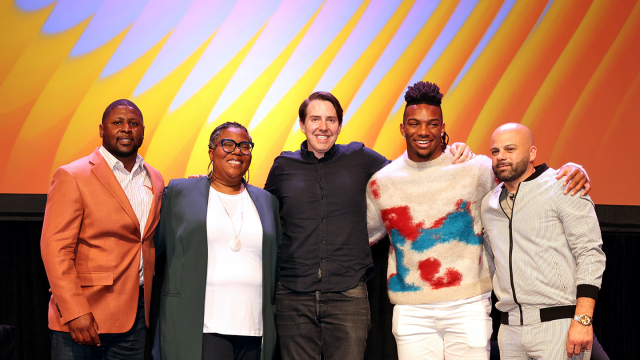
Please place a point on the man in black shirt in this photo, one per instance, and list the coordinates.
(321, 299)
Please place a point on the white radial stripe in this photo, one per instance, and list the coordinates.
(146, 32)
(69, 13)
(330, 20)
(488, 35)
(413, 22)
(110, 19)
(200, 21)
(246, 18)
(33, 5)
(373, 20)
(282, 27)
(450, 30)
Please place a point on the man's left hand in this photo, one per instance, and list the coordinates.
(580, 338)
(576, 180)
(461, 152)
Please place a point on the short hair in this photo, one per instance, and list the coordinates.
(215, 135)
(429, 94)
(121, 102)
(320, 95)
(423, 93)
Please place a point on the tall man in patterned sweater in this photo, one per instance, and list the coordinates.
(438, 275)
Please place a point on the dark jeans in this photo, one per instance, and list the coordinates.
(230, 347)
(128, 345)
(331, 323)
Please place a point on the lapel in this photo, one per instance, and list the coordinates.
(101, 169)
(200, 203)
(157, 184)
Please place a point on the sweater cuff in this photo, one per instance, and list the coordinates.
(585, 290)
(580, 167)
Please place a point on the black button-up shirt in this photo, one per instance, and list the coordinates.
(325, 243)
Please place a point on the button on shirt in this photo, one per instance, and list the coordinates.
(137, 186)
(325, 242)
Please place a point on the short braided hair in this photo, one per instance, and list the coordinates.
(424, 92)
(215, 135)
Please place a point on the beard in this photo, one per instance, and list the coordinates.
(113, 148)
(513, 173)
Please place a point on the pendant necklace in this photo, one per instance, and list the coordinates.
(234, 244)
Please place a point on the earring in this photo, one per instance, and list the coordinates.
(247, 176)
(210, 169)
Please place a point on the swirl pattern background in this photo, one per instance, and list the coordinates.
(570, 70)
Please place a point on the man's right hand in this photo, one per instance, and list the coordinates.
(84, 330)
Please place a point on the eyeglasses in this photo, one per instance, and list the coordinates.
(230, 146)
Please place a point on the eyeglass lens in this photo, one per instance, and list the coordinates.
(229, 146)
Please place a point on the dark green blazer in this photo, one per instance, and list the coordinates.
(182, 234)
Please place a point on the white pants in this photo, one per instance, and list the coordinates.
(547, 340)
(449, 331)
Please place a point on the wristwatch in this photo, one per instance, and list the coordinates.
(583, 319)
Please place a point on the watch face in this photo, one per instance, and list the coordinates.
(583, 319)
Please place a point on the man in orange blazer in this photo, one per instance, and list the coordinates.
(97, 244)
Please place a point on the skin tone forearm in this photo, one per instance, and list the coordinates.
(580, 337)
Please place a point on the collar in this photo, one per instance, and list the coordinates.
(310, 156)
(444, 159)
(539, 170)
(112, 161)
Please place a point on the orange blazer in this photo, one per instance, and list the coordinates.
(91, 246)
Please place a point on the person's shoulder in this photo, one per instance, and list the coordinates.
(153, 170)
(481, 160)
(256, 190)
(80, 166)
(185, 183)
(355, 146)
(289, 155)
(392, 170)
(548, 178)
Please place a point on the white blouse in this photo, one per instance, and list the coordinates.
(233, 299)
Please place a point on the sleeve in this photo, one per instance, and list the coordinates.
(374, 161)
(276, 215)
(159, 239)
(375, 226)
(489, 254)
(578, 166)
(487, 176)
(582, 232)
(62, 222)
(271, 185)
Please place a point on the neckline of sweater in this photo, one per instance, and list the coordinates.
(444, 159)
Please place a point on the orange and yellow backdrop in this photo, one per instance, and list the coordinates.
(568, 69)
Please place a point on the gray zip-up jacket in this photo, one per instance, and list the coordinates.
(547, 254)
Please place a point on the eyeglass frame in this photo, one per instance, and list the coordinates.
(236, 146)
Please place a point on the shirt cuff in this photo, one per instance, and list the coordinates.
(586, 290)
(580, 167)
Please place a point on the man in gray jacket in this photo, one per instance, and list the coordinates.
(546, 254)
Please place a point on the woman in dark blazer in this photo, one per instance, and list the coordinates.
(184, 235)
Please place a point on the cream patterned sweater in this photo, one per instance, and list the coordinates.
(431, 211)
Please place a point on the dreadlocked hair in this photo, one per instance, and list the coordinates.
(424, 92)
